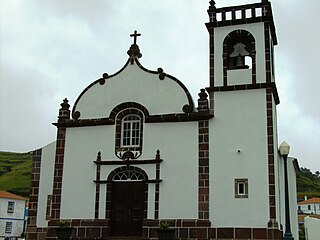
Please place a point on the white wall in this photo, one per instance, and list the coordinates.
(133, 85)
(312, 226)
(239, 123)
(178, 145)
(17, 217)
(46, 182)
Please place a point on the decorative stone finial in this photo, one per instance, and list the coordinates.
(212, 6)
(64, 112)
(134, 50)
(203, 103)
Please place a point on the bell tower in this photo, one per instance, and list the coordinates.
(242, 39)
(243, 99)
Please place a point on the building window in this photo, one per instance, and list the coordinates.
(130, 131)
(8, 227)
(10, 207)
(241, 188)
(309, 207)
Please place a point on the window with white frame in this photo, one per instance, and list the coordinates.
(241, 188)
(10, 207)
(8, 227)
(130, 136)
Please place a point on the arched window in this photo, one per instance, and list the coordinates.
(129, 133)
(131, 127)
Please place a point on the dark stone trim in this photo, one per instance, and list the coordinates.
(109, 182)
(180, 117)
(271, 160)
(267, 16)
(32, 230)
(100, 81)
(58, 173)
(127, 168)
(232, 38)
(127, 105)
(146, 181)
(203, 169)
(271, 86)
(97, 197)
(198, 229)
(188, 108)
(128, 162)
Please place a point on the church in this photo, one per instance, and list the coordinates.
(146, 152)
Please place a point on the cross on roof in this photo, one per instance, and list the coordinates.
(135, 35)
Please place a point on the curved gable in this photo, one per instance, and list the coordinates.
(159, 92)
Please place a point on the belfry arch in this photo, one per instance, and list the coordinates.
(239, 52)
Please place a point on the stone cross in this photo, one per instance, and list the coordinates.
(135, 35)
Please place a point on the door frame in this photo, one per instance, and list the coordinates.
(130, 171)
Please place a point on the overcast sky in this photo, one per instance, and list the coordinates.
(53, 49)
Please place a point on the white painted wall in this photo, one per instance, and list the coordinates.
(133, 85)
(178, 145)
(46, 182)
(257, 30)
(312, 226)
(239, 123)
(17, 217)
(81, 149)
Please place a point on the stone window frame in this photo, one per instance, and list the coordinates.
(8, 228)
(120, 150)
(245, 183)
(11, 206)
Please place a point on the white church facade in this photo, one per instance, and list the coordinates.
(135, 149)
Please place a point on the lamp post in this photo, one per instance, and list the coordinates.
(284, 151)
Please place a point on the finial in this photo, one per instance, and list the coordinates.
(99, 156)
(211, 10)
(64, 112)
(134, 50)
(212, 3)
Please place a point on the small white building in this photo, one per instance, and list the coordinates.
(309, 206)
(12, 215)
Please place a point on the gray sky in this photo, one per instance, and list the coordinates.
(53, 49)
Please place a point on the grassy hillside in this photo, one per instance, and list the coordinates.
(15, 172)
(308, 183)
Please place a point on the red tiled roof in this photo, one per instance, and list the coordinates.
(310, 201)
(4, 194)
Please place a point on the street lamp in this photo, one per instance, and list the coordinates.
(284, 151)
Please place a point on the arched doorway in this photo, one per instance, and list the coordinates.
(128, 201)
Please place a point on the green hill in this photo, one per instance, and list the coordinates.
(308, 183)
(15, 172)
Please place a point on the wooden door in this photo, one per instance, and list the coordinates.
(127, 208)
